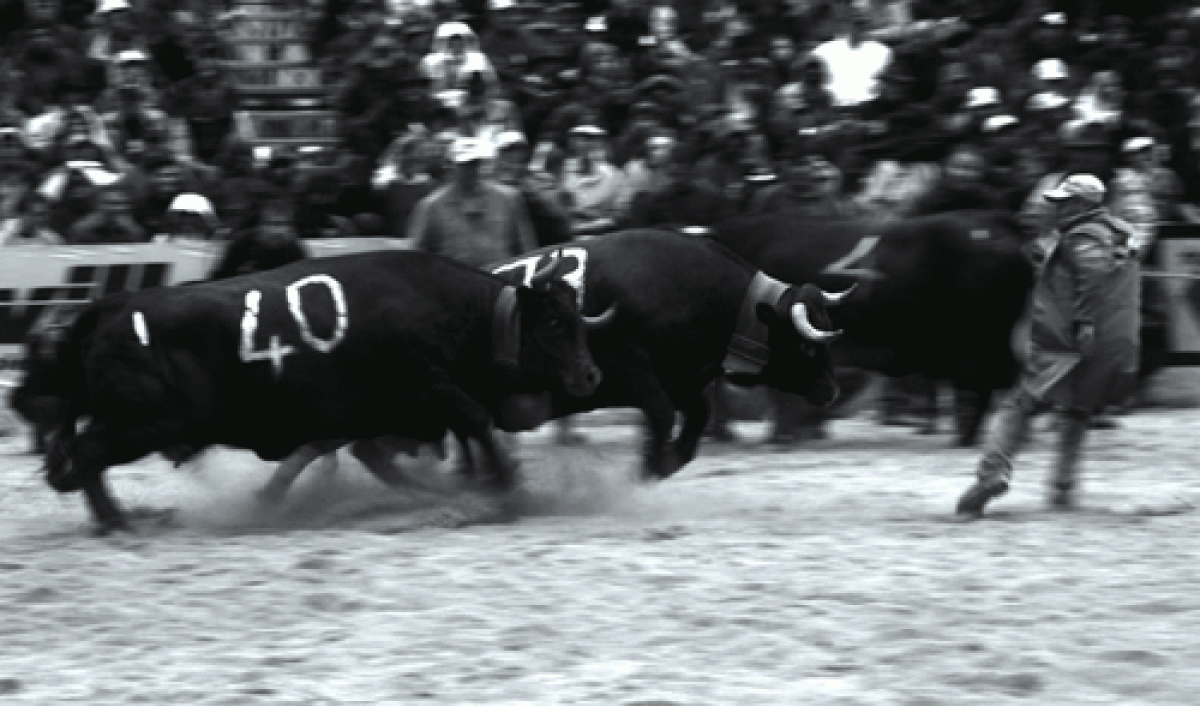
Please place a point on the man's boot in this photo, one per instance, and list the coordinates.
(993, 476)
(1073, 429)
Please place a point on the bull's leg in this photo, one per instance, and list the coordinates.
(377, 456)
(469, 420)
(109, 517)
(291, 467)
(96, 450)
(695, 418)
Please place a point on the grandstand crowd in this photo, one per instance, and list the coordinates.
(117, 116)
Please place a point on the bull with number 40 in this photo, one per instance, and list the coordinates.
(683, 310)
(394, 343)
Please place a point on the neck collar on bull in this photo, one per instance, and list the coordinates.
(748, 351)
(506, 328)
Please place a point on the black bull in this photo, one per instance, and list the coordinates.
(678, 303)
(937, 296)
(377, 344)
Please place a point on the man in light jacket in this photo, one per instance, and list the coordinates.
(1083, 348)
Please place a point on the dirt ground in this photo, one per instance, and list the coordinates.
(832, 574)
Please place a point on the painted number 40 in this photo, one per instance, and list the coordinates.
(275, 350)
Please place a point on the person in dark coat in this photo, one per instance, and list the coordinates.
(272, 243)
(1083, 347)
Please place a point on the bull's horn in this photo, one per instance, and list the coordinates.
(546, 274)
(832, 298)
(603, 319)
(805, 327)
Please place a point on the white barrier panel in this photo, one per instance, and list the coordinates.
(36, 277)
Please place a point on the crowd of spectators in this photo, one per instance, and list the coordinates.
(550, 120)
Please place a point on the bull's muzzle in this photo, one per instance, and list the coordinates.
(585, 381)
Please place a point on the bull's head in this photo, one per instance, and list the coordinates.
(553, 333)
(799, 334)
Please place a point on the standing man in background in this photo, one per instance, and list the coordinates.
(471, 219)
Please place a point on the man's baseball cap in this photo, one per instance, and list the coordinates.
(1051, 70)
(508, 138)
(467, 149)
(1137, 144)
(1081, 186)
(983, 96)
(996, 123)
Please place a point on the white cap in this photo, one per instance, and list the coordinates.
(597, 24)
(195, 203)
(1050, 70)
(1137, 144)
(508, 138)
(588, 129)
(998, 122)
(468, 149)
(106, 6)
(130, 55)
(1046, 101)
(502, 4)
(982, 96)
(1082, 186)
(1054, 18)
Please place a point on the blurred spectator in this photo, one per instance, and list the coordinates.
(271, 243)
(471, 220)
(17, 171)
(854, 62)
(506, 42)
(112, 220)
(686, 200)
(1052, 76)
(190, 217)
(959, 186)
(117, 29)
(71, 190)
(1102, 100)
(30, 223)
(544, 198)
(805, 103)
(1143, 193)
(810, 189)
(205, 102)
(454, 57)
(648, 170)
(404, 178)
(164, 180)
(598, 191)
(319, 192)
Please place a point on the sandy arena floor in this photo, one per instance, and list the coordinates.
(830, 575)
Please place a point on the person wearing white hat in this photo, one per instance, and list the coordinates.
(190, 217)
(1144, 193)
(599, 191)
(472, 219)
(1083, 344)
(116, 29)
